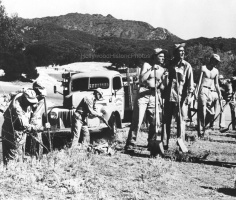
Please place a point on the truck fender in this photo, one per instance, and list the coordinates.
(110, 114)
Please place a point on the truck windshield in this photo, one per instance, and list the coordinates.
(83, 84)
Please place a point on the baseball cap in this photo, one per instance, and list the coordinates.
(30, 95)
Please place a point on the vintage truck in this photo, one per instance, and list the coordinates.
(116, 103)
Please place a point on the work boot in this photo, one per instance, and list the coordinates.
(129, 146)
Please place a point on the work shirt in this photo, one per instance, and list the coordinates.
(17, 113)
(185, 79)
(87, 106)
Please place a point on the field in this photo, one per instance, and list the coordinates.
(207, 172)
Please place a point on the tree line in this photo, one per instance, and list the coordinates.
(21, 50)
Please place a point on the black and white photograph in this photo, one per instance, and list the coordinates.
(117, 99)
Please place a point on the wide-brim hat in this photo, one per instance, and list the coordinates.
(99, 90)
(221, 76)
(177, 46)
(30, 95)
(157, 51)
(40, 87)
(216, 57)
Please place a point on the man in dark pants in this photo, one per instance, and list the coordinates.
(145, 100)
(232, 103)
(86, 107)
(16, 124)
(183, 87)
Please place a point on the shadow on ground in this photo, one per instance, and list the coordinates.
(226, 191)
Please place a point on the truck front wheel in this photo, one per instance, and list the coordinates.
(113, 125)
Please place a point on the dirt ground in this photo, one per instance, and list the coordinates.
(206, 172)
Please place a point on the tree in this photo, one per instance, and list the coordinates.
(13, 59)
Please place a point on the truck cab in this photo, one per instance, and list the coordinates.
(76, 86)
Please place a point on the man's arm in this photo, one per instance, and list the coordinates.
(89, 102)
(190, 82)
(21, 115)
(218, 87)
(145, 72)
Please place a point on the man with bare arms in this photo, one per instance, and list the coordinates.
(145, 100)
(209, 76)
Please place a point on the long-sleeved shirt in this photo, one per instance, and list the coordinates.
(87, 106)
(18, 114)
(185, 81)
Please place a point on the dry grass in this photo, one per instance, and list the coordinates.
(79, 174)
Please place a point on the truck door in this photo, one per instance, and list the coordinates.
(119, 96)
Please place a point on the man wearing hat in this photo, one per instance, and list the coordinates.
(178, 93)
(209, 77)
(232, 103)
(85, 107)
(36, 119)
(16, 123)
(145, 101)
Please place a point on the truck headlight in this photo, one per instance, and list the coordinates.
(53, 115)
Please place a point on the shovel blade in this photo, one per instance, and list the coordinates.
(182, 145)
(224, 130)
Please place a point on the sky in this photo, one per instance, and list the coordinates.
(184, 18)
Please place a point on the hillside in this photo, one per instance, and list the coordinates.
(106, 26)
(82, 37)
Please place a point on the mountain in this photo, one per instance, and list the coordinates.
(83, 37)
(105, 26)
(68, 38)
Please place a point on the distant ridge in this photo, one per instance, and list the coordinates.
(105, 26)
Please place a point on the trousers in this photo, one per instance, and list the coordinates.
(13, 142)
(79, 125)
(144, 103)
(171, 109)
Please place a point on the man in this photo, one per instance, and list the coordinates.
(36, 119)
(86, 107)
(178, 93)
(223, 85)
(145, 100)
(16, 124)
(232, 103)
(209, 76)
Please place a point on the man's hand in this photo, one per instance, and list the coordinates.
(47, 125)
(166, 73)
(31, 127)
(188, 100)
(100, 115)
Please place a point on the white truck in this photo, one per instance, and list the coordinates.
(116, 103)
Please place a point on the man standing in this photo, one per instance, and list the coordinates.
(209, 76)
(232, 103)
(16, 124)
(145, 100)
(36, 119)
(178, 93)
(86, 107)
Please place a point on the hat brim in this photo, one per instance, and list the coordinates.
(162, 51)
(32, 100)
(42, 91)
(99, 93)
(218, 60)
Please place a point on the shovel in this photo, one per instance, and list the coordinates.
(180, 140)
(48, 131)
(226, 129)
